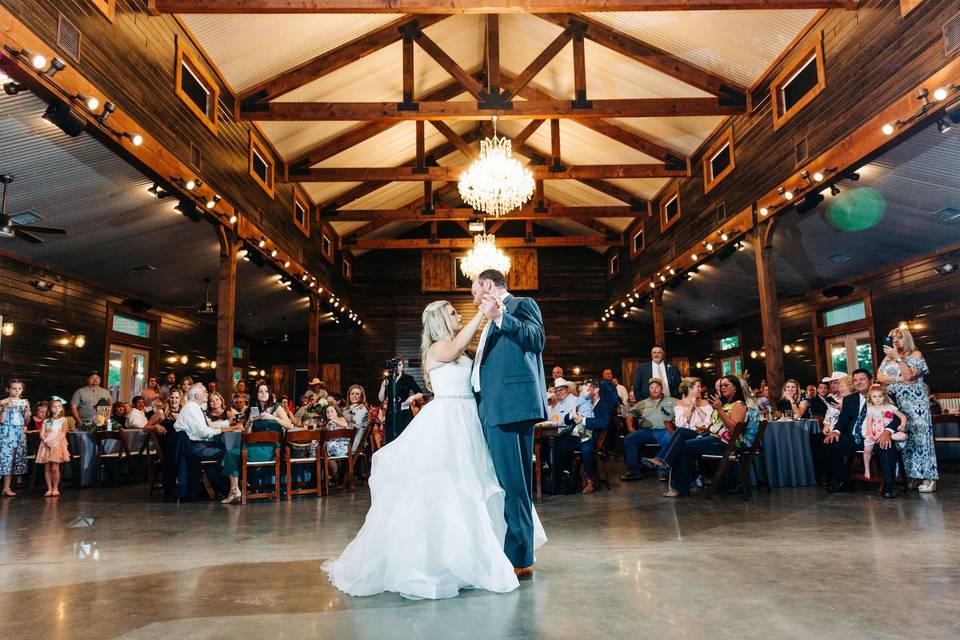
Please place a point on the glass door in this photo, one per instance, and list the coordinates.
(850, 351)
(126, 371)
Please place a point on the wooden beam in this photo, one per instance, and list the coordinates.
(579, 68)
(355, 136)
(651, 56)
(313, 339)
(621, 194)
(412, 211)
(452, 174)
(329, 61)
(538, 63)
(656, 309)
(526, 133)
(480, 6)
(466, 243)
(555, 163)
(529, 110)
(769, 310)
(226, 305)
(493, 55)
(448, 64)
(496, 226)
(454, 138)
(407, 67)
(420, 163)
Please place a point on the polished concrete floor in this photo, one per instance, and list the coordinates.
(795, 563)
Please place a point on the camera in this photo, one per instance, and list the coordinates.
(391, 364)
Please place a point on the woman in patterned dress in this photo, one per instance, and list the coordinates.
(903, 370)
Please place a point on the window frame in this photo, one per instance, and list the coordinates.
(151, 344)
(671, 194)
(326, 244)
(821, 333)
(300, 197)
(258, 148)
(204, 77)
(347, 268)
(790, 71)
(724, 142)
(639, 231)
(613, 264)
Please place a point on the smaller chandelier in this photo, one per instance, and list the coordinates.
(483, 256)
(496, 183)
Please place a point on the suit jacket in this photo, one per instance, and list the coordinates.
(603, 411)
(641, 380)
(847, 420)
(511, 366)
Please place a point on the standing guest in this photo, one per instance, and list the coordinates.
(137, 418)
(729, 409)
(240, 392)
(621, 390)
(556, 373)
(266, 414)
(315, 390)
(211, 387)
(169, 384)
(902, 371)
(14, 416)
(819, 402)
(185, 383)
(658, 367)
(846, 438)
(151, 391)
(793, 401)
(83, 403)
(646, 421)
(880, 413)
(53, 448)
(407, 392)
(39, 415)
(811, 392)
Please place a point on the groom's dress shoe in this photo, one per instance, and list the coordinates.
(524, 573)
(588, 486)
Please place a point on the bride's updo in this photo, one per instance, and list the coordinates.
(436, 327)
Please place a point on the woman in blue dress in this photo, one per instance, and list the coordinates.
(902, 370)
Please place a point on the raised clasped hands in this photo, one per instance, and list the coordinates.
(890, 352)
(490, 307)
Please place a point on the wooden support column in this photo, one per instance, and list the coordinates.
(313, 339)
(408, 68)
(493, 55)
(226, 307)
(540, 203)
(555, 164)
(769, 309)
(656, 307)
(421, 164)
(579, 66)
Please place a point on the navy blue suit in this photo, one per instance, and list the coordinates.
(849, 426)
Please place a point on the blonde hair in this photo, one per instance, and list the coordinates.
(909, 346)
(845, 380)
(686, 384)
(436, 327)
(879, 387)
(795, 383)
(168, 407)
(363, 394)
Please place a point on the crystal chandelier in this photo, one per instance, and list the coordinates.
(483, 256)
(496, 183)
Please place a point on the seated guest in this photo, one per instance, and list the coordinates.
(692, 416)
(585, 431)
(336, 447)
(646, 421)
(763, 399)
(729, 409)
(658, 367)
(846, 438)
(793, 401)
(193, 421)
(240, 393)
(118, 415)
(211, 387)
(218, 415)
(265, 415)
(935, 408)
(137, 418)
(818, 401)
(315, 390)
(565, 401)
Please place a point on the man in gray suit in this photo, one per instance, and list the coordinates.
(509, 385)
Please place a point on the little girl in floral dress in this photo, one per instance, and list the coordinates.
(53, 446)
(880, 413)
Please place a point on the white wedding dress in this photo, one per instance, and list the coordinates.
(436, 522)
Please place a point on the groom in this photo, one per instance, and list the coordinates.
(508, 382)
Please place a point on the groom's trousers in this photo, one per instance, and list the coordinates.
(511, 447)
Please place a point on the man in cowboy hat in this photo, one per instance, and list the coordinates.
(316, 390)
(566, 401)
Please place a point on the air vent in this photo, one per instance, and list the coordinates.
(839, 258)
(951, 34)
(196, 158)
(68, 37)
(948, 215)
(144, 267)
(27, 217)
(800, 153)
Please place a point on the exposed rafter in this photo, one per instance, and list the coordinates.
(503, 242)
(479, 6)
(529, 212)
(449, 174)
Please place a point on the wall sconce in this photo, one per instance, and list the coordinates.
(183, 359)
(7, 329)
(576, 371)
(80, 341)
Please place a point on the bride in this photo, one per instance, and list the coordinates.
(436, 522)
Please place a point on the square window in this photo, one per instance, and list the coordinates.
(301, 211)
(846, 313)
(326, 246)
(261, 164)
(801, 80)
(637, 243)
(196, 87)
(729, 342)
(131, 326)
(719, 161)
(670, 208)
(347, 269)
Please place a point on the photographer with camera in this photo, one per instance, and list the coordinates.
(405, 392)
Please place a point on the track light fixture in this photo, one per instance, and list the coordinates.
(92, 103)
(853, 175)
(135, 138)
(834, 190)
(694, 257)
(157, 190)
(56, 66)
(191, 184)
(785, 194)
(806, 176)
(262, 243)
(233, 218)
(764, 211)
(212, 201)
(274, 253)
(708, 246)
(12, 88)
(108, 109)
(723, 236)
(943, 125)
(63, 116)
(37, 60)
(286, 263)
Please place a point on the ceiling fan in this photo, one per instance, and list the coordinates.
(9, 228)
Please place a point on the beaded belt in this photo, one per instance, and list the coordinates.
(455, 396)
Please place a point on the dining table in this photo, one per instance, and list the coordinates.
(787, 457)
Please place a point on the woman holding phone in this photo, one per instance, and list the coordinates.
(902, 371)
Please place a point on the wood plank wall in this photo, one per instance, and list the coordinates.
(872, 56)
(133, 62)
(387, 292)
(907, 292)
(73, 308)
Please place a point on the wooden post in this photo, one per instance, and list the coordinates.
(769, 309)
(226, 308)
(408, 68)
(555, 164)
(313, 338)
(656, 307)
(493, 55)
(579, 69)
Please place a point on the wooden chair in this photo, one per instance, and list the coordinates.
(603, 477)
(744, 457)
(858, 472)
(259, 437)
(299, 442)
(153, 454)
(348, 473)
(104, 458)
